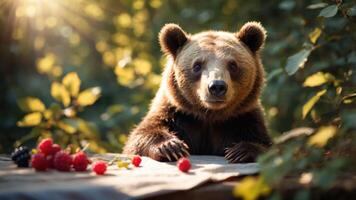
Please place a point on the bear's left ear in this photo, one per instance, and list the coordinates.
(172, 38)
(253, 35)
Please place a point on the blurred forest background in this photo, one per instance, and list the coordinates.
(84, 71)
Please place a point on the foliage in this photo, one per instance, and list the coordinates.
(309, 57)
(62, 121)
(320, 156)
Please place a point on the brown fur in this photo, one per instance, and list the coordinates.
(180, 120)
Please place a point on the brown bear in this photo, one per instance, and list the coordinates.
(208, 100)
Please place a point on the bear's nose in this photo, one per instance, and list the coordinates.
(217, 88)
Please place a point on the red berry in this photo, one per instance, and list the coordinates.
(63, 161)
(50, 161)
(136, 160)
(45, 146)
(183, 164)
(99, 167)
(50, 157)
(39, 162)
(80, 161)
(55, 148)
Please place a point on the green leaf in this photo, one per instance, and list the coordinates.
(351, 58)
(318, 79)
(317, 5)
(89, 96)
(311, 102)
(329, 11)
(348, 119)
(351, 11)
(313, 36)
(31, 119)
(297, 61)
(60, 93)
(72, 82)
(274, 73)
(31, 104)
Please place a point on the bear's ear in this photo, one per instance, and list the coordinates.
(172, 38)
(253, 35)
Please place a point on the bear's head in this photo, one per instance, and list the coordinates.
(213, 74)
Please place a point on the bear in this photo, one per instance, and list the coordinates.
(208, 102)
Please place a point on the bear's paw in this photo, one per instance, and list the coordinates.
(243, 152)
(169, 150)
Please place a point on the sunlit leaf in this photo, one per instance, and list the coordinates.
(94, 11)
(317, 5)
(48, 114)
(329, 11)
(53, 112)
(155, 3)
(322, 136)
(124, 20)
(45, 64)
(121, 39)
(311, 102)
(89, 96)
(101, 46)
(56, 71)
(31, 119)
(60, 93)
(313, 36)
(72, 83)
(297, 61)
(250, 188)
(68, 128)
(125, 75)
(138, 4)
(109, 58)
(31, 104)
(122, 164)
(318, 79)
(122, 139)
(142, 66)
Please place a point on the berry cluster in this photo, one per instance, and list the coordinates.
(51, 156)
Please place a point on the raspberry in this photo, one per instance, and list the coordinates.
(136, 160)
(50, 157)
(63, 161)
(80, 161)
(21, 156)
(99, 167)
(55, 148)
(183, 164)
(39, 162)
(45, 146)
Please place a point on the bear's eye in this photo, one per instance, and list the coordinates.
(232, 66)
(197, 66)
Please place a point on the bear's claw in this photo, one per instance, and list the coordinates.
(171, 150)
(243, 152)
